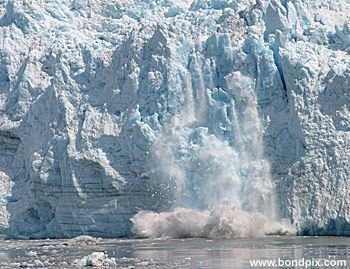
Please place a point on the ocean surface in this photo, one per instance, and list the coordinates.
(175, 253)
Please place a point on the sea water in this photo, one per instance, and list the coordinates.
(176, 253)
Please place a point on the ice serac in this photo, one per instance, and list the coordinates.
(111, 107)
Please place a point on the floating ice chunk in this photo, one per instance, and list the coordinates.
(96, 259)
(84, 240)
(39, 263)
(32, 253)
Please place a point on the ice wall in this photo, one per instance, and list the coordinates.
(252, 95)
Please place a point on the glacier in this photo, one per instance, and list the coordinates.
(112, 107)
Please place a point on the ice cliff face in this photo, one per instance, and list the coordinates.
(108, 106)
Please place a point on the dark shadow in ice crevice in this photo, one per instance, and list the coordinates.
(9, 143)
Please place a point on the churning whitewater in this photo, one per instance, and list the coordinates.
(221, 222)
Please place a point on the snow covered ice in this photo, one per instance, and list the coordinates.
(113, 107)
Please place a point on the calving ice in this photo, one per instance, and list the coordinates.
(234, 112)
(219, 223)
(210, 156)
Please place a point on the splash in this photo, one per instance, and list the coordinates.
(221, 222)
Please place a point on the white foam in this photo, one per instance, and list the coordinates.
(221, 222)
